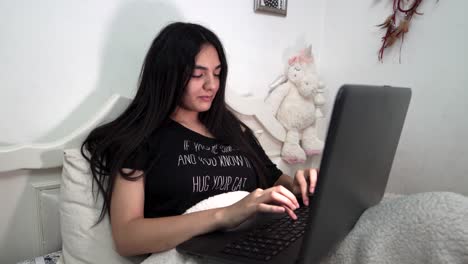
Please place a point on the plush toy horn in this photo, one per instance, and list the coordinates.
(280, 80)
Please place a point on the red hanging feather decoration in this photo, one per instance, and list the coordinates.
(393, 32)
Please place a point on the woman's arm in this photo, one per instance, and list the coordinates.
(133, 234)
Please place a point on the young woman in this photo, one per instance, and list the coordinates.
(177, 144)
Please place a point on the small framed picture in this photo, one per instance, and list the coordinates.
(277, 7)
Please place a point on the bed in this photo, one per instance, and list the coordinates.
(368, 242)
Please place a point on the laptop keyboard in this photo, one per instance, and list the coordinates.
(268, 240)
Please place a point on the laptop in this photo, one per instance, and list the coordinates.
(362, 138)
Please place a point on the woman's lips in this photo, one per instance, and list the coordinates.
(206, 98)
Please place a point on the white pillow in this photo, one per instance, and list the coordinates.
(83, 243)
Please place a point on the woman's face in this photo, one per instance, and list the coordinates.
(204, 83)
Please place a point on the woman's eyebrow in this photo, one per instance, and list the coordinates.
(199, 67)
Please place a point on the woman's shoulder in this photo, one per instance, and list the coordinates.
(168, 129)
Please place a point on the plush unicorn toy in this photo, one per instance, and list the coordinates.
(297, 99)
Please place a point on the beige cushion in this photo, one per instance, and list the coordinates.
(83, 243)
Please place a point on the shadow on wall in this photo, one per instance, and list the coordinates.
(129, 36)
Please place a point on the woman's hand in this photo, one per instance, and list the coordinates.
(304, 184)
(276, 199)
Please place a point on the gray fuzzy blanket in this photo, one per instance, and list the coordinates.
(420, 228)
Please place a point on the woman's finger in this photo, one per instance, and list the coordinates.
(291, 213)
(300, 178)
(287, 193)
(269, 208)
(279, 198)
(312, 180)
(274, 196)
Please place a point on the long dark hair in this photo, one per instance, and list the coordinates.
(165, 73)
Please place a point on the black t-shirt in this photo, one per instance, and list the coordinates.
(183, 167)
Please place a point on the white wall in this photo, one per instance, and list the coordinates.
(433, 150)
(60, 60)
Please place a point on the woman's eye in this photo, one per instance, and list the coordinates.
(194, 75)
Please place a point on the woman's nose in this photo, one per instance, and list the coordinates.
(210, 82)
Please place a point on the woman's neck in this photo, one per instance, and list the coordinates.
(189, 119)
(185, 117)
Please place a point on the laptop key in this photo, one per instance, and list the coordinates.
(259, 257)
